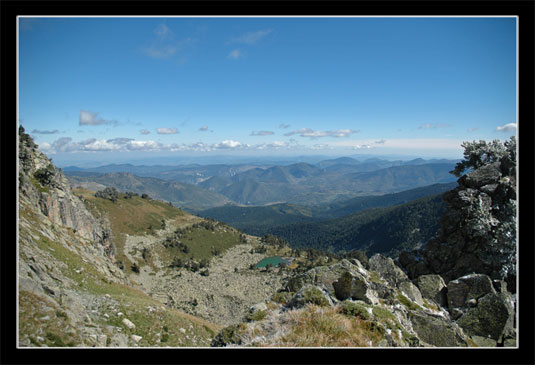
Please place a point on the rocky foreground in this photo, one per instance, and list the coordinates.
(347, 305)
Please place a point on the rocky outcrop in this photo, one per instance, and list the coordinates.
(44, 187)
(478, 229)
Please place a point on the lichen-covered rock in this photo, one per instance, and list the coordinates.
(388, 270)
(412, 292)
(483, 341)
(432, 287)
(436, 331)
(493, 317)
(324, 276)
(310, 294)
(468, 287)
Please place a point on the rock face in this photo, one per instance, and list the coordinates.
(45, 188)
(478, 229)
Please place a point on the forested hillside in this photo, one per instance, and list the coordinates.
(378, 230)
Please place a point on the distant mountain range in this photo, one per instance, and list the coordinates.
(179, 194)
(301, 183)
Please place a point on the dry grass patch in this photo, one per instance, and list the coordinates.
(316, 326)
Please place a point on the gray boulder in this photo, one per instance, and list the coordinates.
(433, 288)
(493, 317)
(436, 331)
(472, 286)
(324, 276)
(412, 292)
(388, 270)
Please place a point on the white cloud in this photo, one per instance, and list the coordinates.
(433, 126)
(307, 132)
(204, 128)
(284, 126)
(37, 131)
(120, 140)
(144, 145)
(363, 146)
(235, 54)
(91, 118)
(511, 127)
(61, 144)
(167, 131)
(163, 31)
(228, 144)
(251, 38)
(164, 45)
(144, 131)
(278, 144)
(45, 146)
(469, 130)
(101, 145)
(262, 133)
(273, 145)
(382, 141)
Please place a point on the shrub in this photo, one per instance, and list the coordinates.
(135, 267)
(44, 175)
(283, 297)
(256, 316)
(109, 193)
(355, 310)
(315, 296)
(177, 262)
(361, 256)
(120, 265)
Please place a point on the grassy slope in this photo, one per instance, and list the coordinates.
(134, 216)
(58, 330)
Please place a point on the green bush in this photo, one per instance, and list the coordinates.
(315, 296)
(283, 297)
(44, 175)
(355, 309)
(256, 316)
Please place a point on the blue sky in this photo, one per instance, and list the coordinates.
(112, 88)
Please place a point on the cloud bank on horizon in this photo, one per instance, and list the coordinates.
(266, 85)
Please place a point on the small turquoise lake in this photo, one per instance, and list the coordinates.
(274, 260)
